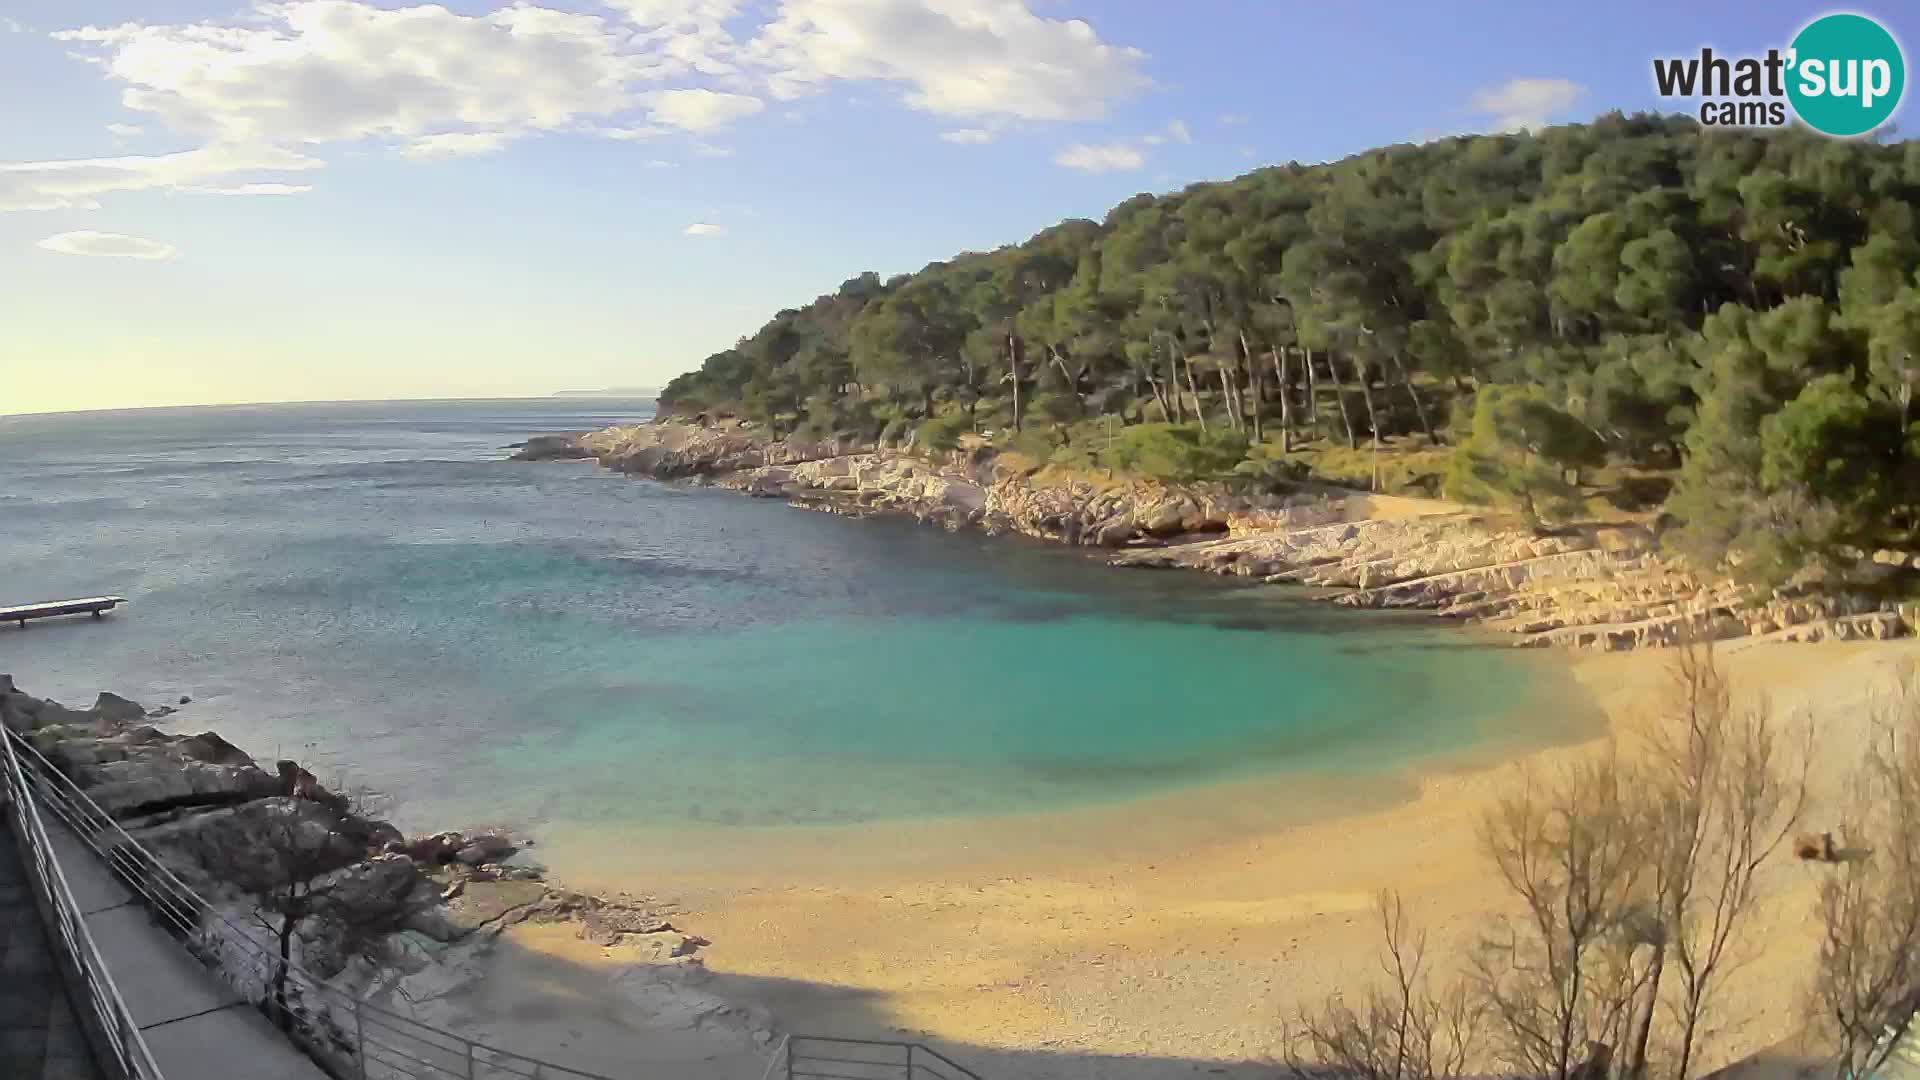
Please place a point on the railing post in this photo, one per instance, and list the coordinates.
(359, 1038)
(469, 1043)
(789, 1057)
(909, 1075)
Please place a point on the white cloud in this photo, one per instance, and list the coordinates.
(76, 183)
(963, 58)
(661, 163)
(260, 91)
(12, 26)
(704, 228)
(108, 245)
(1231, 119)
(252, 189)
(676, 12)
(636, 133)
(709, 150)
(701, 110)
(1113, 157)
(691, 34)
(1527, 103)
(325, 70)
(457, 144)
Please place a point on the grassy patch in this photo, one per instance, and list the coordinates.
(1408, 465)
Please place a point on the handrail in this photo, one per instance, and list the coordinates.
(116, 1035)
(344, 1033)
(774, 1059)
(818, 1057)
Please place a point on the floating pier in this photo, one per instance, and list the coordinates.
(47, 609)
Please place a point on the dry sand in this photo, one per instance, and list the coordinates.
(1119, 942)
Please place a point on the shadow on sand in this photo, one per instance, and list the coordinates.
(614, 1019)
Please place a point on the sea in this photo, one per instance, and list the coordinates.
(374, 590)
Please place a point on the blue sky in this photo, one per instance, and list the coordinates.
(385, 199)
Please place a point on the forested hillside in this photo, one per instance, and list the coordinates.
(1723, 320)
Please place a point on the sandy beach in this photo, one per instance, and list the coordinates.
(1152, 954)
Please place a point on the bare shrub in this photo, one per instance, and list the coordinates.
(1558, 980)
(1404, 1032)
(1719, 791)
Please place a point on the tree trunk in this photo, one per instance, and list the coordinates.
(1689, 1032)
(1366, 392)
(1313, 394)
(1339, 397)
(1173, 381)
(1419, 408)
(1160, 399)
(1253, 383)
(1229, 400)
(1073, 384)
(1232, 371)
(1013, 372)
(1199, 411)
(1286, 399)
(1640, 1025)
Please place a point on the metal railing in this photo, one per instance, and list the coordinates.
(810, 1057)
(346, 1035)
(349, 1037)
(118, 1047)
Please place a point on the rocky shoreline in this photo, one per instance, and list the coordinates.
(1597, 587)
(400, 922)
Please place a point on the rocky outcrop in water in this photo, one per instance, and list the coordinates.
(549, 448)
(1597, 587)
(839, 476)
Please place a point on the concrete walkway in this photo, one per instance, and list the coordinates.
(195, 1025)
(39, 1037)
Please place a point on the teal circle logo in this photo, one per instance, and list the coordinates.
(1846, 75)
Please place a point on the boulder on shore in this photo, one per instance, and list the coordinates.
(118, 710)
(485, 848)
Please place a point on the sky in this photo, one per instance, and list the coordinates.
(216, 201)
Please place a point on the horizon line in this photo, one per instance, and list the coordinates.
(557, 395)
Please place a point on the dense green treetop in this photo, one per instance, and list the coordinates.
(1736, 310)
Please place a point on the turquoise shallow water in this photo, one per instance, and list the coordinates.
(370, 588)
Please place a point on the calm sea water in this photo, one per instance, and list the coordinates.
(371, 588)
